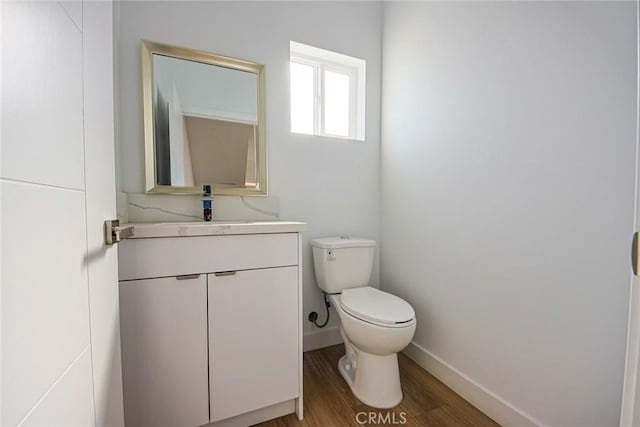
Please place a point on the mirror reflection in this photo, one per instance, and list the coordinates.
(206, 124)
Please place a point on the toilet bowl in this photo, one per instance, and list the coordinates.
(370, 365)
(374, 325)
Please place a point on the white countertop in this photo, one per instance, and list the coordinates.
(145, 230)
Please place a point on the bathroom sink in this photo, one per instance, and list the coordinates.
(201, 228)
(196, 223)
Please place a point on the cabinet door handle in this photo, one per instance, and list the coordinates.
(224, 273)
(188, 276)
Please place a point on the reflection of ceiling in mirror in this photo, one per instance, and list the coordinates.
(207, 90)
(219, 151)
(207, 151)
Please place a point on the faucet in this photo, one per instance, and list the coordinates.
(207, 203)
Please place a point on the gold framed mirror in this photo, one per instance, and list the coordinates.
(204, 122)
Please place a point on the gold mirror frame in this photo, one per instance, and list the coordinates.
(148, 49)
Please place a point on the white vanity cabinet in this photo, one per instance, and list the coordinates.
(253, 339)
(211, 324)
(165, 351)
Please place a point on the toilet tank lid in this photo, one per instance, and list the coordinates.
(342, 242)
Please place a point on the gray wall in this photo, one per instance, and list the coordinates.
(508, 150)
(333, 185)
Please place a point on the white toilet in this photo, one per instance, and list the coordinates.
(375, 325)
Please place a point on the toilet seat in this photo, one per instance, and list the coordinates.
(378, 307)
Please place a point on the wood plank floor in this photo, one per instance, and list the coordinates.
(328, 401)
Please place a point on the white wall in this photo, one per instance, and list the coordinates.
(333, 185)
(508, 150)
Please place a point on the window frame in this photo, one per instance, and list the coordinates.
(353, 68)
(352, 73)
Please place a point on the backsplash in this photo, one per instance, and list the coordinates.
(134, 207)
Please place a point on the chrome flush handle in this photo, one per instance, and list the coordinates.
(224, 273)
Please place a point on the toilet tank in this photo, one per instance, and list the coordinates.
(342, 262)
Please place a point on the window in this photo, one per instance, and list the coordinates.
(327, 93)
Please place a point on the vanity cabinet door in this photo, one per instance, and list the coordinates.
(164, 351)
(253, 339)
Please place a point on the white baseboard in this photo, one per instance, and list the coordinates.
(320, 338)
(494, 406)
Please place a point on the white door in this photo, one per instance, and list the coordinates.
(630, 396)
(101, 205)
(60, 348)
(631, 391)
